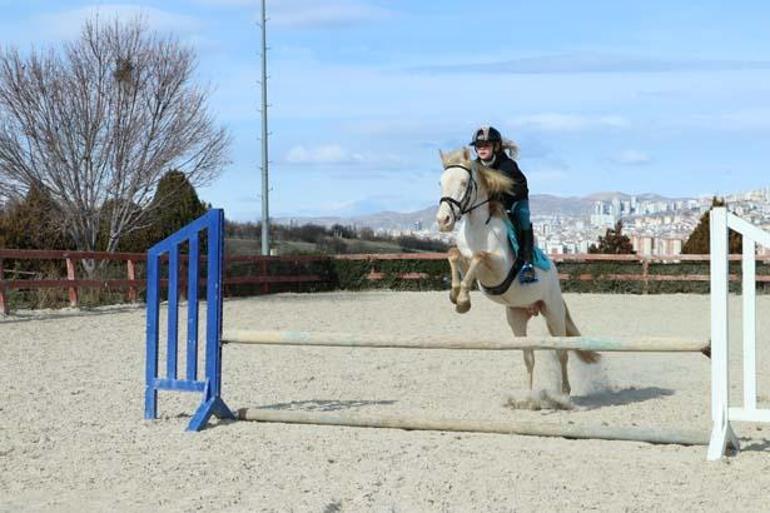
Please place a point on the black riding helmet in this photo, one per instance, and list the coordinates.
(486, 134)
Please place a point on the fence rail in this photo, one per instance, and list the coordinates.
(132, 283)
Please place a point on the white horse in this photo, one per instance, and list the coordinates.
(483, 253)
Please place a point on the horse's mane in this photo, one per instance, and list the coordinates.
(493, 181)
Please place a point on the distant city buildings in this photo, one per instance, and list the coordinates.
(656, 227)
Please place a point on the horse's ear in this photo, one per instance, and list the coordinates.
(441, 156)
(467, 153)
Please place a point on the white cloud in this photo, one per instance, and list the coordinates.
(541, 178)
(740, 120)
(229, 3)
(540, 175)
(335, 154)
(754, 119)
(325, 154)
(596, 63)
(307, 13)
(554, 122)
(364, 205)
(631, 158)
(67, 24)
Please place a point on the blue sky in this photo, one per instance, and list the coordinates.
(656, 96)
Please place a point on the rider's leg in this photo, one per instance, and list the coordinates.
(526, 240)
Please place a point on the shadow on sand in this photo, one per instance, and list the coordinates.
(620, 397)
(324, 405)
(68, 313)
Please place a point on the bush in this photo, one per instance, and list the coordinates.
(174, 206)
(34, 223)
(699, 241)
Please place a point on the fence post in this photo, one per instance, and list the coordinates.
(295, 266)
(73, 290)
(182, 278)
(372, 267)
(5, 308)
(749, 329)
(265, 285)
(131, 269)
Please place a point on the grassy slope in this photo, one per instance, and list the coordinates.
(252, 247)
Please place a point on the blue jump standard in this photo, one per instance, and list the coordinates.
(210, 225)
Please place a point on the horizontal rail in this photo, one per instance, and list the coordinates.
(750, 414)
(15, 254)
(276, 258)
(314, 278)
(587, 343)
(64, 284)
(24, 254)
(599, 257)
(376, 276)
(508, 427)
(46, 254)
(651, 277)
(236, 280)
(747, 229)
(393, 256)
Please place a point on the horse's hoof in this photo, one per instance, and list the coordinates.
(463, 307)
(453, 295)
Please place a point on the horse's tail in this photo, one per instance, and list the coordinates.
(572, 331)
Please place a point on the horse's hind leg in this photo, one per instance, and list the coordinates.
(555, 320)
(517, 320)
(563, 355)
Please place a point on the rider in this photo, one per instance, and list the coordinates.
(490, 149)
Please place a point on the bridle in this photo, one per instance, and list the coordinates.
(469, 196)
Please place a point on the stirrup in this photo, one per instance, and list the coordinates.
(527, 274)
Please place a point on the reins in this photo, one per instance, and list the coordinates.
(471, 190)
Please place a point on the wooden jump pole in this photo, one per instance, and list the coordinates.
(627, 344)
(653, 436)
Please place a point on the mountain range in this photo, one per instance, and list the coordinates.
(540, 204)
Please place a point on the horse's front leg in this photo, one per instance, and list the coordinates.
(463, 295)
(456, 262)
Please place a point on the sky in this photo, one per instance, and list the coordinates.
(668, 97)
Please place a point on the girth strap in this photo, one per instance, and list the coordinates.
(503, 287)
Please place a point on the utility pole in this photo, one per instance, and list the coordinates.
(265, 187)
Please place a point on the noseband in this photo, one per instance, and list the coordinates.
(469, 196)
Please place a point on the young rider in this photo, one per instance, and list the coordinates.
(490, 148)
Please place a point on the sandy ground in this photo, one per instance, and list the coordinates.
(72, 436)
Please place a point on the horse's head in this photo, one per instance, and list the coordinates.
(457, 188)
(466, 186)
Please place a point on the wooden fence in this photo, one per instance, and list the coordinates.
(12, 279)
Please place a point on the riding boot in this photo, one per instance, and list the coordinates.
(527, 273)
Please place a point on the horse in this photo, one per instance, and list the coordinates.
(484, 253)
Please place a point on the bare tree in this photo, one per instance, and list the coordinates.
(97, 124)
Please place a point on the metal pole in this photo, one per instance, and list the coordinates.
(265, 188)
